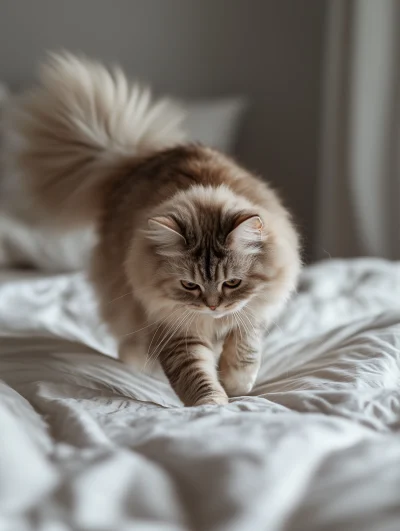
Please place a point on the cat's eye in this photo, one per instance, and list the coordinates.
(189, 285)
(232, 283)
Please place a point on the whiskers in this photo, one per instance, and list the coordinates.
(171, 330)
(148, 326)
(247, 323)
(120, 297)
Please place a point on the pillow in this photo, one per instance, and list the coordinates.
(31, 243)
(214, 123)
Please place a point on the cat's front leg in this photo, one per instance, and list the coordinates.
(240, 361)
(190, 365)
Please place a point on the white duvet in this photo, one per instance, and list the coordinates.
(86, 444)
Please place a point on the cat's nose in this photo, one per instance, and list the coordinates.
(212, 302)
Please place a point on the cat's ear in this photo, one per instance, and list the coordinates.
(247, 233)
(165, 232)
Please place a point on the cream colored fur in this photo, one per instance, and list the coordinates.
(84, 119)
(91, 148)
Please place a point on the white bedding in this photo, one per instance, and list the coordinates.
(86, 444)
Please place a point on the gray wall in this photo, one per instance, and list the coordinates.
(269, 50)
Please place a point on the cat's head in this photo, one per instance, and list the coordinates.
(210, 246)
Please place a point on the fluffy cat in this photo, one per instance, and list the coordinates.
(195, 255)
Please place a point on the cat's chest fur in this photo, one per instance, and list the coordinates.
(215, 330)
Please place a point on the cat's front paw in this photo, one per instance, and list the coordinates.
(212, 400)
(238, 381)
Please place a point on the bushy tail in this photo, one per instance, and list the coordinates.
(69, 135)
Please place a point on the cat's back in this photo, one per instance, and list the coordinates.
(140, 185)
(144, 183)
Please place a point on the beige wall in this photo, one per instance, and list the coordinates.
(269, 50)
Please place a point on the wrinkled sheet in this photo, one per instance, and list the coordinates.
(88, 444)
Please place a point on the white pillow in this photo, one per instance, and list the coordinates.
(212, 122)
(215, 123)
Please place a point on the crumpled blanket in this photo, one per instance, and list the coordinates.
(86, 443)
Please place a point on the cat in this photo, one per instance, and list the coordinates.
(195, 255)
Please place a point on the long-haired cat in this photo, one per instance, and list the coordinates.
(195, 255)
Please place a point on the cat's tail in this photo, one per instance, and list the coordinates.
(78, 129)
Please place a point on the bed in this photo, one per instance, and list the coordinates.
(86, 443)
